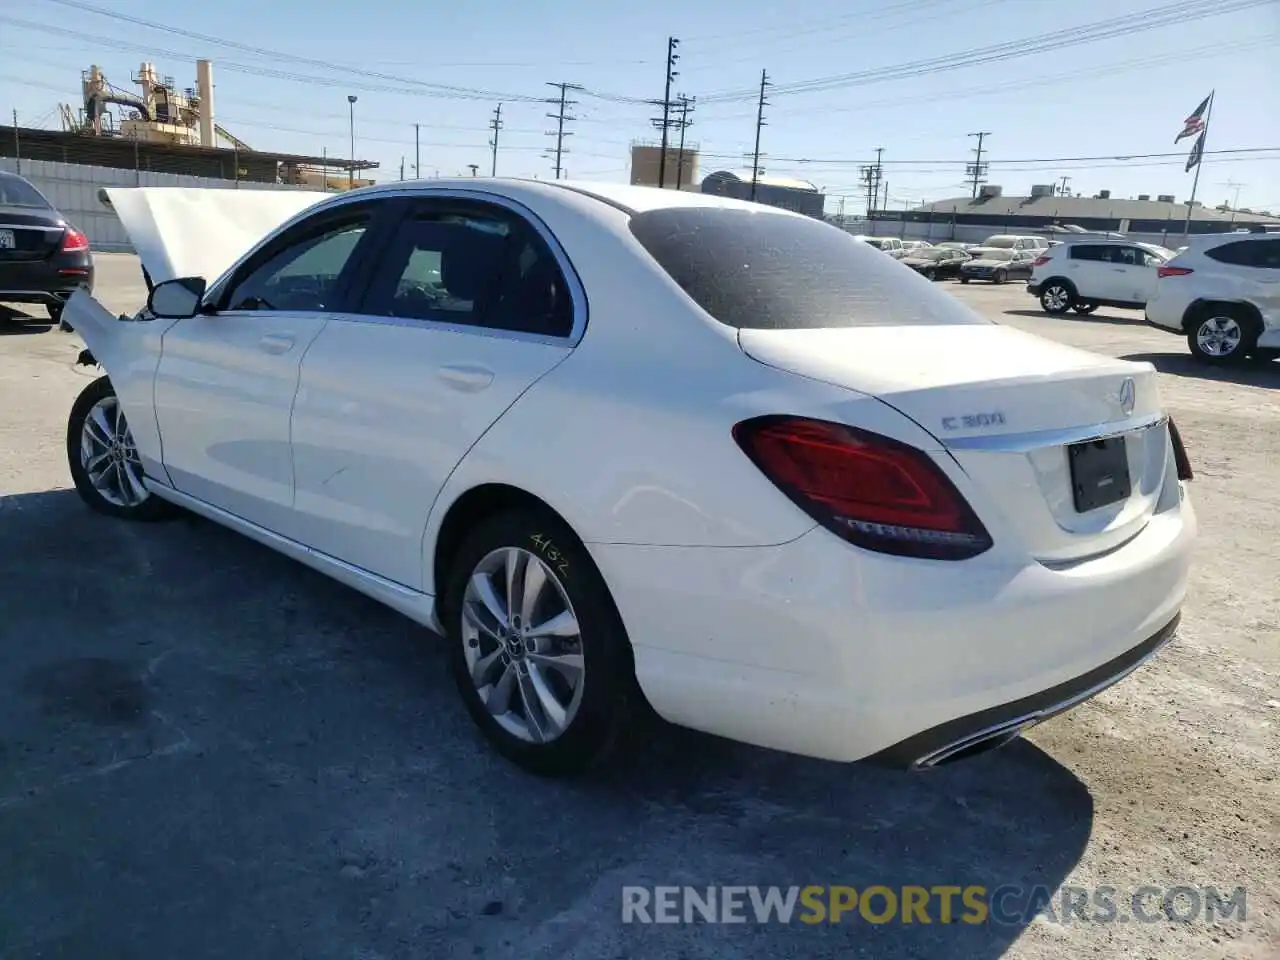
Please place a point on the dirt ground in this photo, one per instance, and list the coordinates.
(207, 751)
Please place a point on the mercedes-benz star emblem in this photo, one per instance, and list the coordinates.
(1128, 395)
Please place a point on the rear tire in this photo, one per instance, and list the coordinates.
(964, 279)
(559, 699)
(1220, 335)
(1000, 277)
(55, 311)
(104, 461)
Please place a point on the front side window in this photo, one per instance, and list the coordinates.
(474, 268)
(764, 270)
(304, 274)
(1126, 256)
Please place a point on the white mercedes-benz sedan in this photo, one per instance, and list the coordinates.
(623, 446)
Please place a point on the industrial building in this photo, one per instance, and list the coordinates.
(1044, 210)
(162, 129)
(789, 194)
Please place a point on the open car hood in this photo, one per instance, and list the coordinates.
(200, 231)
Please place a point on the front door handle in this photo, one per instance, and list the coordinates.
(465, 377)
(276, 342)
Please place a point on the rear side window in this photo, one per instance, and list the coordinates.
(770, 271)
(1248, 253)
(1083, 251)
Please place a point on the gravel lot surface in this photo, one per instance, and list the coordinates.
(208, 751)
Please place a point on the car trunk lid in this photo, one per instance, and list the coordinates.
(29, 233)
(1008, 407)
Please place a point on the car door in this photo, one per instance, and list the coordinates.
(1129, 271)
(1089, 269)
(227, 377)
(472, 301)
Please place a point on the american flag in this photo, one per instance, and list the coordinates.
(1195, 123)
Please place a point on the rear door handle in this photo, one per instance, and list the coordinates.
(465, 377)
(276, 342)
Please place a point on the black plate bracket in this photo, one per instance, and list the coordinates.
(1099, 473)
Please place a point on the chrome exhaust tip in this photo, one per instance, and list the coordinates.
(983, 741)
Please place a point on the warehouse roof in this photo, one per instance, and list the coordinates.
(1085, 208)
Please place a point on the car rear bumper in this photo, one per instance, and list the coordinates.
(49, 281)
(816, 648)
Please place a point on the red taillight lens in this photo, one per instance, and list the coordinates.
(1040, 261)
(874, 492)
(1180, 457)
(73, 241)
(1162, 272)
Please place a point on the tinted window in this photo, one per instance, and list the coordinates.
(1126, 256)
(1084, 251)
(16, 192)
(1248, 253)
(771, 271)
(472, 268)
(304, 274)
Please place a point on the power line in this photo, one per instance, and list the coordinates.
(1055, 41)
(755, 154)
(560, 117)
(977, 170)
(279, 55)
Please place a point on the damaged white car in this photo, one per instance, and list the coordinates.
(623, 445)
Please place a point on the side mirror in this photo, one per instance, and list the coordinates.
(177, 299)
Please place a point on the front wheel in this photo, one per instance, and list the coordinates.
(1221, 335)
(103, 458)
(1001, 276)
(1056, 298)
(537, 648)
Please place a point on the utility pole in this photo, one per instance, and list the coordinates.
(755, 154)
(686, 107)
(495, 125)
(560, 117)
(417, 153)
(872, 174)
(665, 123)
(402, 166)
(351, 169)
(1062, 190)
(977, 170)
(17, 145)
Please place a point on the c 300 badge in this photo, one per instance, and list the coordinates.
(973, 421)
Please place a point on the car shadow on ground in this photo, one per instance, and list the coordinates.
(1254, 373)
(19, 322)
(1117, 319)
(207, 750)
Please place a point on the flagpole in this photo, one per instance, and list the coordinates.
(1201, 141)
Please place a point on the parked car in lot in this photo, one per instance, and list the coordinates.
(1009, 241)
(1087, 274)
(997, 265)
(936, 263)
(911, 245)
(955, 245)
(1223, 293)
(890, 245)
(43, 258)
(621, 444)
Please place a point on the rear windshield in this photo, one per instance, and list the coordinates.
(771, 271)
(16, 192)
(1001, 243)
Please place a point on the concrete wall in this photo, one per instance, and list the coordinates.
(73, 189)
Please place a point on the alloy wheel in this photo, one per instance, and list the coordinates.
(522, 644)
(1219, 336)
(109, 455)
(1056, 299)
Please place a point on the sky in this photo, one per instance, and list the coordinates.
(845, 77)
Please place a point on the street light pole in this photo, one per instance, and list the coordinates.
(351, 168)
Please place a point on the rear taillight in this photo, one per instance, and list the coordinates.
(1180, 457)
(73, 241)
(1041, 261)
(1162, 272)
(874, 492)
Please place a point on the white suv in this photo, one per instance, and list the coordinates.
(1223, 292)
(890, 245)
(1083, 275)
(1011, 241)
